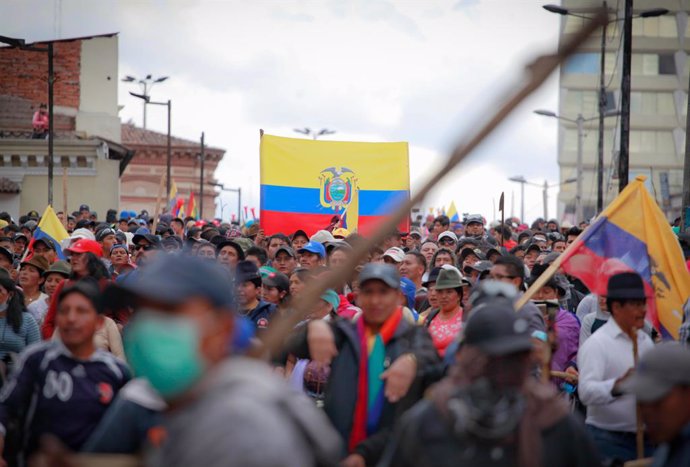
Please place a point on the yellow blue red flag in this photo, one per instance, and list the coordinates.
(632, 234)
(305, 183)
(49, 229)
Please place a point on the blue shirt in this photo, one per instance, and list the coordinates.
(16, 342)
(60, 394)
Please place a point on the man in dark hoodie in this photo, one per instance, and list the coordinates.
(248, 282)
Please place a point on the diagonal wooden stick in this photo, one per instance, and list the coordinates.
(539, 71)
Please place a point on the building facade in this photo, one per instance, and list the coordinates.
(144, 177)
(87, 155)
(658, 104)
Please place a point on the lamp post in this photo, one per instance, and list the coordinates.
(239, 198)
(146, 85)
(314, 134)
(21, 44)
(579, 121)
(625, 99)
(521, 180)
(545, 194)
(168, 104)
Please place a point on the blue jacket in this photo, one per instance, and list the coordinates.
(53, 392)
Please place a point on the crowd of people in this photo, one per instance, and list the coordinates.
(143, 336)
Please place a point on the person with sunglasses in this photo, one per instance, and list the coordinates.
(146, 247)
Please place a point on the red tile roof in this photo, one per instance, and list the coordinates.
(134, 136)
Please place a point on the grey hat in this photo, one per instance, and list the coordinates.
(59, 267)
(472, 218)
(479, 266)
(449, 278)
(385, 273)
(290, 252)
(496, 330)
(661, 369)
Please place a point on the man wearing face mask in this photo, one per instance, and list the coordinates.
(179, 340)
(489, 411)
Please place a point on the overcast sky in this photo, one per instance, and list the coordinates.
(422, 71)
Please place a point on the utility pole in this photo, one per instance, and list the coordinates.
(169, 164)
(201, 178)
(51, 137)
(686, 175)
(623, 157)
(578, 194)
(602, 112)
(545, 196)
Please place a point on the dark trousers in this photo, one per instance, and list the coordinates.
(617, 445)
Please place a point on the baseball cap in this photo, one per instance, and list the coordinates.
(395, 253)
(7, 254)
(154, 240)
(322, 236)
(84, 245)
(448, 234)
(658, 371)
(385, 273)
(314, 247)
(331, 297)
(84, 207)
(49, 244)
(479, 266)
(246, 271)
(342, 233)
(287, 250)
(300, 233)
(474, 218)
(173, 279)
(496, 330)
(276, 279)
(415, 232)
(101, 234)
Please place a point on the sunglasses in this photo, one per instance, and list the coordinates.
(144, 247)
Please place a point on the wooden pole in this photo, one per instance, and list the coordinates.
(158, 203)
(539, 71)
(638, 415)
(64, 196)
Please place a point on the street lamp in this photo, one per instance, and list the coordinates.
(625, 87)
(314, 134)
(545, 195)
(239, 198)
(21, 44)
(580, 121)
(168, 104)
(146, 85)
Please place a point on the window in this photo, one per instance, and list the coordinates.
(662, 26)
(667, 64)
(654, 142)
(652, 103)
(587, 64)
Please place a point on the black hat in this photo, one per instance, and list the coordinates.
(476, 252)
(533, 247)
(48, 243)
(172, 279)
(84, 223)
(84, 207)
(246, 271)
(433, 275)
(154, 240)
(287, 250)
(234, 245)
(7, 254)
(278, 280)
(299, 233)
(626, 286)
(385, 273)
(33, 215)
(496, 330)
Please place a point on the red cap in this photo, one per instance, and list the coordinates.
(84, 245)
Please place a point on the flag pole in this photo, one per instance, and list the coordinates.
(501, 207)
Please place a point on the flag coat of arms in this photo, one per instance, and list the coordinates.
(632, 234)
(305, 183)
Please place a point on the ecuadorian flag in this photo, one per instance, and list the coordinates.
(50, 228)
(304, 183)
(632, 234)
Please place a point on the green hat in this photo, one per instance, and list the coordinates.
(265, 271)
(332, 298)
(59, 267)
(244, 243)
(449, 278)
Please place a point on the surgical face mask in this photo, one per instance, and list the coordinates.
(164, 349)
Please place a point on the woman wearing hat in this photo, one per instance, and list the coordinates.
(17, 329)
(85, 259)
(120, 260)
(445, 323)
(58, 272)
(31, 279)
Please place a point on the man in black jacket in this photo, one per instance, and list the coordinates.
(379, 365)
(489, 410)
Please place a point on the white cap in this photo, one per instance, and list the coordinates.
(322, 236)
(395, 253)
(76, 235)
(448, 234)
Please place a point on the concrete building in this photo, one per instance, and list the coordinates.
(88, 156)
(144, 176)
(659, 96)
